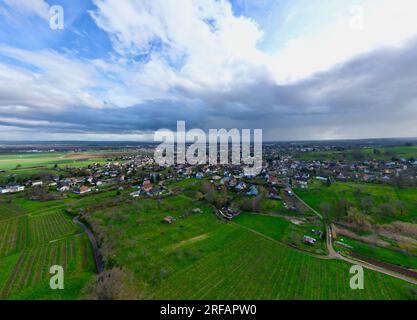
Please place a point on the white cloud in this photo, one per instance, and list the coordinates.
(30, 7)
(202, 41)
(198, 55)
(385, 23)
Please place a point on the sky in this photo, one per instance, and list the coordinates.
(120, 70)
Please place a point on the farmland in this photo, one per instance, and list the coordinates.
(200, 257)
(377, 153)
(319, 194)
(284, 230)
(242, 265)
(381, 235)
(28, 160)
(197, 254)
(32, 241)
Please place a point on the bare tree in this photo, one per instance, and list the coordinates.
(113, 284)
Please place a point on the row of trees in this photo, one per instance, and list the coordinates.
(221, 198)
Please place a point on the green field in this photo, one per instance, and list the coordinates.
(33, 237)
(241, 265)
(377, 195)
(378, 253)
(200, 257)
(37, 160)
(386, 153)
(284, 231)
(355, 193)
(196, 257)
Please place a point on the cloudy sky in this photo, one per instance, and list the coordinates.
(119, 70)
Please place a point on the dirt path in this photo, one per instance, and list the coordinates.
(333, 254)
(97, 255)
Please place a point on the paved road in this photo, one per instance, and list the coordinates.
(333, 254)
(97, 255)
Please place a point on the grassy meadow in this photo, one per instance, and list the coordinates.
(35, 235)
(386, 153)
(198, 256)
(201, 257)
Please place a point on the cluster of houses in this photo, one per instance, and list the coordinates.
(279, 170)
(301, 172)
(12, 189)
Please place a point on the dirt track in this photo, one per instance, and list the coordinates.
(333, 254)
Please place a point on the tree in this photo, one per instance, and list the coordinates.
(387, 209)
(113, 284)
(357, 217)
(407, 246)
(400, 206)
(326, 209)
(367, 204)
(199, 196)
(341, 208)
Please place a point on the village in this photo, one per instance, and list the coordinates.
(281, 173)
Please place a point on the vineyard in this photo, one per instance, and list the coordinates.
(30, 244)
(198, 257)
(25, 231)
(251, 267)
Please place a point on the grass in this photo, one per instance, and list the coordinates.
(38, 160)
(200, 257)
(378, 253)
(386, 153)
(29, 276)
(319, 194)
(195, 257)
(35, 235)
(283, 230)
(239, 264)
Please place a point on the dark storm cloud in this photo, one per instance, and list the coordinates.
(373, 95)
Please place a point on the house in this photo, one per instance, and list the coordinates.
(168, 220)
(63, 189)
(37, 183)
(12, 189)
(309, 240)
(273, 180)
(253, 192)
(289, 192)
(241, 186)
(273, 194)
(135, 194)
(233, 182)
(147, 186)
(82, 190)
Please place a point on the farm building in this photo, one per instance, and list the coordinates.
(147, 186)
(168, 220)
(12, 189)
(82, 190)
(253, 191)
(309, 240)
(135, 194)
